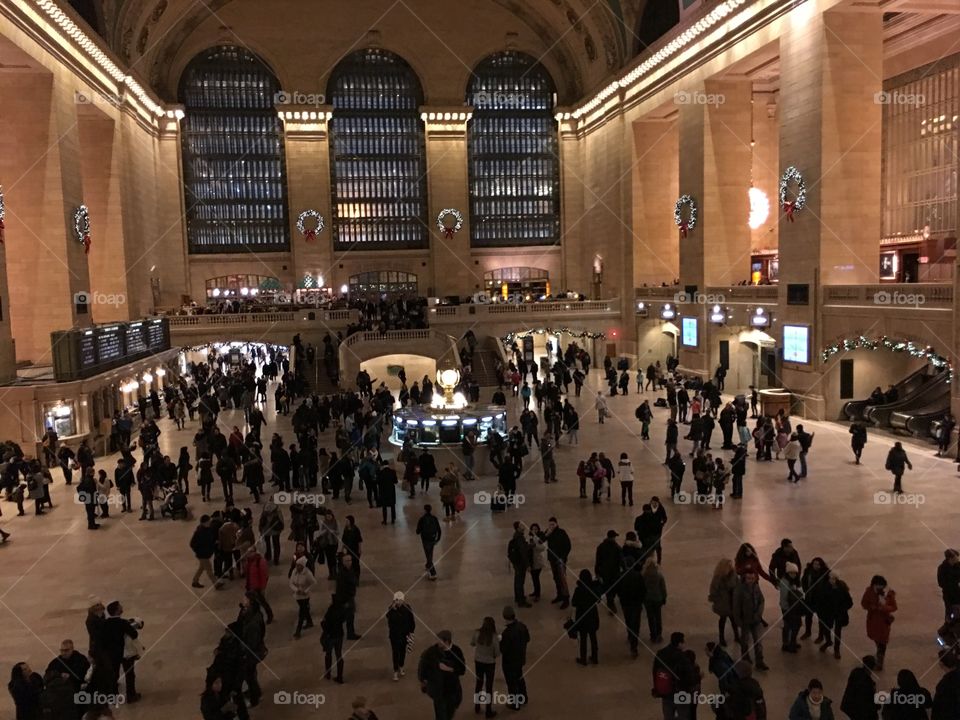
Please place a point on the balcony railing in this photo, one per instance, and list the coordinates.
(393, 336)
(334, 317)
(892, 295)
(474, 312)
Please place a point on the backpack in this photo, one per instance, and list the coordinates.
(662, 683)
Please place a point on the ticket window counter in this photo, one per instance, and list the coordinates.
(61, 417)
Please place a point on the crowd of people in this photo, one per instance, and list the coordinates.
(291, 506)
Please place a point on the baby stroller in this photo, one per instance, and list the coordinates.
(174, 504)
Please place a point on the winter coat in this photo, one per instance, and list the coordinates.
(858, 697)
(834, 605)
(584, 601)
(879, 614)
(301, 582)
(609, 560)
(387, 487)
(257, 571)
(801, 708)
(748, 604)
(656, 588)
(400, 622)
(721, 594)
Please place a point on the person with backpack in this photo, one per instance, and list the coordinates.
(674, 679)
(644, 415)
(428, 528)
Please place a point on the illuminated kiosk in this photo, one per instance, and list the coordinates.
(447, 418)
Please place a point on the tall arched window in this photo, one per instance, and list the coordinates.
(233, 163)
(379, 169)
(514, 162)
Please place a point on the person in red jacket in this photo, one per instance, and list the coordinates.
(257, 572)
(880, 602)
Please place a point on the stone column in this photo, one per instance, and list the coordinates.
(41, 175)
(170, 273)
(831, 70)
(448, 188)
(655, 178)
(308, 188)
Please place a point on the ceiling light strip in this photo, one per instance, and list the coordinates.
(80, 38)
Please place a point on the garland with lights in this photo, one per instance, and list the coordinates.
(913, 349)
(310, 235)
(579, 334)
(691, 222)
(795, 205)
(81, 227)
(447, 230)
(3, 214)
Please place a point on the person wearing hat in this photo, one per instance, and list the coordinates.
(948, 578)
(301, 582)
(608, 566)
(400, 628)
(792, 607)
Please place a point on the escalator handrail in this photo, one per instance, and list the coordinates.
(922, 394)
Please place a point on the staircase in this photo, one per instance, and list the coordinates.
(485, 362)
(317, 378)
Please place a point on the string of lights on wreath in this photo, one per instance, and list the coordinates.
(449, 230)
(579, 334)
(688, 224)
(3, 214)
(310, 234)
(800, 199)
(81, 227)
(923, 352)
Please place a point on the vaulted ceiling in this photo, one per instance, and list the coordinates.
(581, 42)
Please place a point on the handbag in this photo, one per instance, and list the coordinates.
(460, 504)
(410, 641)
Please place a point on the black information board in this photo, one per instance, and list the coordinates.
(82, 353)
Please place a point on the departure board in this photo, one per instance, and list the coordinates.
(86, 352)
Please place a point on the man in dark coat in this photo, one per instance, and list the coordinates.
(608, 566)
(520, 556)
(387, 492)
(632, 591)
(946, 698)
(513, 655)
(948, 578)
(70, 664)
(859, 698)
(647, 527)
(428, 528)
(672, 660)
(558, 550)
(113, 635)
(439, 671)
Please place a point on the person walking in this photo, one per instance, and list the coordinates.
(331, 638)
(722, 586)
(513, 656)
(806, 441)
(428, 528)
(631, 591)
(897, 462)
(860, 696)
(655, 586)
(586, 618)
(440, 668)
(792, 453)
(833, 611)
(608, 566)
(204, 545)
(812, 704)
(401, 625)
(880, 602)
(87, 495)
(748, 605)
(858, 439)
(674, 677)
(301, 583)
(387, 492)
(625, 472)
(256, 571)
(486, 652)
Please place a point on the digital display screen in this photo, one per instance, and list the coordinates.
(796, 344)
(135, 340)
(109, 344)
(155, 334)
(88, 350)
(689, 332)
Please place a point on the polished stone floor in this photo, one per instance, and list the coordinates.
(54, 568)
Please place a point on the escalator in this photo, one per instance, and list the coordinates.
(858, 409)
(925, 400)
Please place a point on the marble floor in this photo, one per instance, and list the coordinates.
(53, 569)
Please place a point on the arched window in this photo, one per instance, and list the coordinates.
(513, 151)
(519, 281)
(379, 169)
(233, 164)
